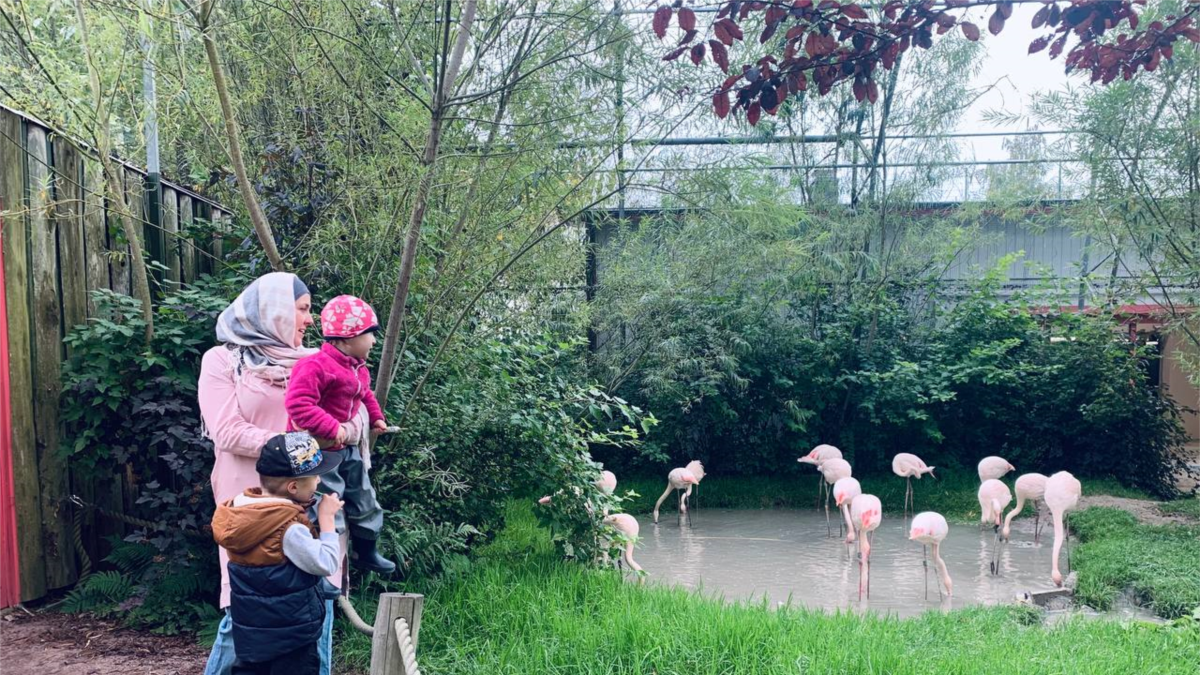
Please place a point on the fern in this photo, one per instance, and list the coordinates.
(100, 593)
(129, 557)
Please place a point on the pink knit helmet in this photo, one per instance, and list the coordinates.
(347, 316)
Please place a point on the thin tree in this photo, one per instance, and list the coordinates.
(112, 175)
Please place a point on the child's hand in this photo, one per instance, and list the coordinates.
(329, 505)
(343, 435)
(379, 427)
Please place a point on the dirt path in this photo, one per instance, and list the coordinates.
(66, 644)
(1144, 510)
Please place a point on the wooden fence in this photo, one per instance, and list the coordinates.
(59, 242)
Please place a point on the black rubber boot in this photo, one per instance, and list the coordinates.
(369, 558)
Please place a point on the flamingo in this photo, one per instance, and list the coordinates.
(930, 529)
(993, 497)
(844, 492)
(993, 468)
(1062, 494)
(820, 454)
(909, 466)
(1029, 487)
(833, 470)
(627, 526)
(606, 483)
(681, 479)
(866, 512)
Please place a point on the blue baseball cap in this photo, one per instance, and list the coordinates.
(294, 455)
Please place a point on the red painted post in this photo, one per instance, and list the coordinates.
(10, 575)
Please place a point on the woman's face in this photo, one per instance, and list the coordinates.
(304, 318)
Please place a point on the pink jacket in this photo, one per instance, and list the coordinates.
(240, 414)
(326, 389)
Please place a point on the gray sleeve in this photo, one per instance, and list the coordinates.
(315, 556)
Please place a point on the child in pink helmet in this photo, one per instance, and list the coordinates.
(324, 394)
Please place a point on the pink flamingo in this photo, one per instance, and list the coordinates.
(833, 470)
(993, 468)
(931, 529)
(1029, 487)
(866, 512)
(681, 479)
(627, 526)
(820, 454)
(1062, 495)
(606, 483)
(844, 492)
(993, 497)
(908, 466)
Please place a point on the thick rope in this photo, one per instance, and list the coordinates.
(407, 651)
(352, 614)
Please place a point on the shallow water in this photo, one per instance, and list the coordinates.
(786, 554)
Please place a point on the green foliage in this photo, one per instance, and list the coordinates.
(1157, 563)
(145, 593)
(129, 411)
(750, 358)
(509, 415)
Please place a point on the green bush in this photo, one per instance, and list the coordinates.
(749, 363)
(132, 411)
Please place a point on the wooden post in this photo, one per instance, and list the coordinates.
(386, 656)
(170, 218)
(17, 281)
(95, 231)
(58, 553)
(187, 244)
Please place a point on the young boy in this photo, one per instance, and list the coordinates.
(323, 395)
(276, 561)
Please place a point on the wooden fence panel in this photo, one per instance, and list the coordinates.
(26, 490)
(188, 250)
(47, 362)
(204, 245)
(107, 491)
(170, 215)
(95, 232)
(68, 214)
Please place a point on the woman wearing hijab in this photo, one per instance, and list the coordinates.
(241, 390)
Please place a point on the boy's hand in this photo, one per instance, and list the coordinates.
(343, 435)
(329, 505)
(326, 509)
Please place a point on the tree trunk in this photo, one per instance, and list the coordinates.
(387, 359)
(233, 135)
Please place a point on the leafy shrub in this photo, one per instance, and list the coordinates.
(132, 411)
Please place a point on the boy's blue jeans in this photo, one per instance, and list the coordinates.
(220, 659)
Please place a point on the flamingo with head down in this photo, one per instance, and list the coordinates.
(866, 512)
(818, 455)
(908, 466)
(1062, 495)
(993, 497)
(833, 470)
(1029, 487)
(685, 479)
(844, 492)
(931, 529)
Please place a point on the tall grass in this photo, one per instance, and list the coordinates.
(1160, 564)
(953, 494)
(521, 610)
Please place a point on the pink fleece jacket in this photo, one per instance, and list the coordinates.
(326, 389)
(240, 414)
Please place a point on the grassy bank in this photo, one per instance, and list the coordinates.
(1160, 564)
(953, 494)
(521, 610)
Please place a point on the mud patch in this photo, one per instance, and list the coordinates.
(68, 644)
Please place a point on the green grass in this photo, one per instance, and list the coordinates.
(953, 495)
(521, 610)
(1160, 564)
(1189, 508)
